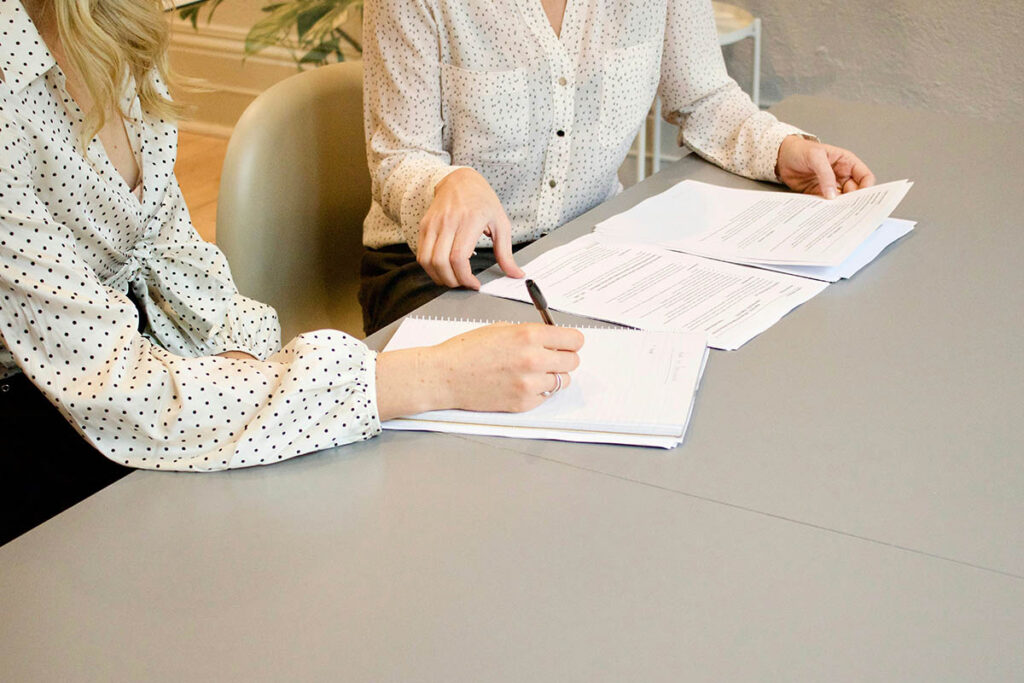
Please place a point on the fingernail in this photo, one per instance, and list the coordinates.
(830, 193)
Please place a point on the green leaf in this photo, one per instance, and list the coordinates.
(351, 41)
(311, 28)
(320, 53)
(190, 14)
(307, 19)
(272, 29)
(314, 57)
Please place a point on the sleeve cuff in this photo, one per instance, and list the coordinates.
(251, 327)
(371, 390)
(416, 203)
(769, 158)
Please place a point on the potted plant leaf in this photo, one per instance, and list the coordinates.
(316, 32)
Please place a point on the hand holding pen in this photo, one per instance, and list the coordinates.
(541, 305)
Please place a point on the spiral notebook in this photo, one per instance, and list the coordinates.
(634, 387)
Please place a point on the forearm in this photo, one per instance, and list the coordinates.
(219, 413)
(726, 129)
(496, 368)
(402, 95)
(404, 186)
(716, 118)
(412, 381)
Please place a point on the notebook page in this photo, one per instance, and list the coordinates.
(629, 381)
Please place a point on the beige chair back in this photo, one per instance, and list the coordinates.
(293, 194)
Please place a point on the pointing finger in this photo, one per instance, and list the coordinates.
(503, 248)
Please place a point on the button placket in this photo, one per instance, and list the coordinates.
(561, 64)
(556, 165)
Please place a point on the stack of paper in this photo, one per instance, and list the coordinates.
(697, 258)
(801, 234)
(888, 232)
(632, 387)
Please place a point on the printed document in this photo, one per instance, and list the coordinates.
(652, 288)
(756, 226)
(888, 232)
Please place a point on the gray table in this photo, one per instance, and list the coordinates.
(848, 504)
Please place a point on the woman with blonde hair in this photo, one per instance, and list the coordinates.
(123, 340)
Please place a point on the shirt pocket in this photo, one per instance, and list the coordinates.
(488, 114)
(629, 82)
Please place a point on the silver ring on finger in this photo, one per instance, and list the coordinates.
(558, 386)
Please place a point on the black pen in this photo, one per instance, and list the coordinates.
(539, 301)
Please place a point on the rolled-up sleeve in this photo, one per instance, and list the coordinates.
(402, 100)
(716, 118)
(142, 405)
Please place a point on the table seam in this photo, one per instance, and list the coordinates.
(756, 511)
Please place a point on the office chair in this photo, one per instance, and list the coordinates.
(293, 194)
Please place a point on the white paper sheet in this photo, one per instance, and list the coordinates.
(656, 289)
(754, 226)
(632, 387)
(888, 232)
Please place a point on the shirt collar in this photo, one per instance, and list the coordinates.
(24, 56)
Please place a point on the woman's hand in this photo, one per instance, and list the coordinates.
(815, 168)
(498, 368)
(464, 208)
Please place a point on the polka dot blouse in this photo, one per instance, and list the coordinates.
(547, 120)
(75, 241)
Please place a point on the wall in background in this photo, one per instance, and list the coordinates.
(213, 53)
(958, 56)
(961, 56)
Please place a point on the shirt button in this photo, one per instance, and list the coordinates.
(562, 81)
(552, 183)
(560, 133)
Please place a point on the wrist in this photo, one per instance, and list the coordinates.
(412, 381)
(787, 141)
(434, 379)
(459, 174)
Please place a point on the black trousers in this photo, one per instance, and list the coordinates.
(393, 284)
(45, 465)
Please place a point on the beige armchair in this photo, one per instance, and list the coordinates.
(293, 194)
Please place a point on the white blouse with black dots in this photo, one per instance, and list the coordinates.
(74, 239)
(546, 120)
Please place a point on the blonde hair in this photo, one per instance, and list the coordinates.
(108, 40)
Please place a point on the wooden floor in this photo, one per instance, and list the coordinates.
(200, 158)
